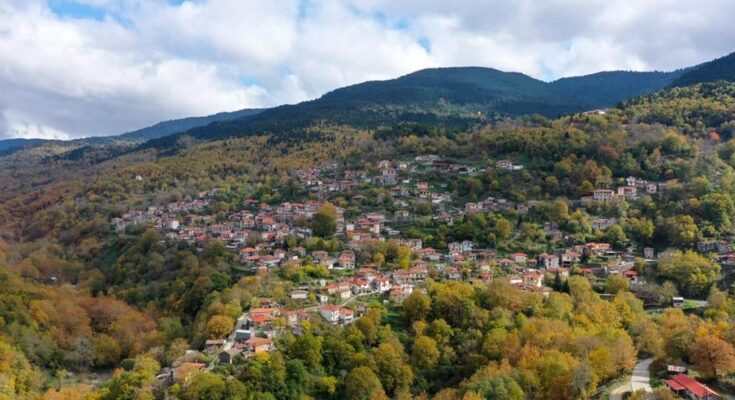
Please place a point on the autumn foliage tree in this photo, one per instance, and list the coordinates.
(713, 356)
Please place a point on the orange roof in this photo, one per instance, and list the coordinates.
(263, 311)
(261, 318)
(256, 341)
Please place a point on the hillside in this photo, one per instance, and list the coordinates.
(432, 263)
(721, 69)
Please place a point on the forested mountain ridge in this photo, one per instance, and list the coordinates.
(721, 69)
(605, 89)
(460, 97)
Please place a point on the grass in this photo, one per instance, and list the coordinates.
(604, 391)
(690, 304)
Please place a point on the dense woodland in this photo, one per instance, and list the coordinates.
(78, 297)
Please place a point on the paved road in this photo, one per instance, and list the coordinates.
(639, 380)
(641, 377)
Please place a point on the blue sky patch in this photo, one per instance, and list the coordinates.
(425, 43)
(73, 9)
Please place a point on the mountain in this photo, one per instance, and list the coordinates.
(457, 96)
(161, 129)
(179, 125)
(604, 89)
(721, 69)
(9, 144)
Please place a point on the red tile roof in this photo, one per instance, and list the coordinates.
(691, 385)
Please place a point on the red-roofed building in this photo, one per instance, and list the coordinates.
(685, 386)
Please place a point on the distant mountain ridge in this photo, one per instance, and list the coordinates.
(161, 129)
(8, 144)
(179, 125)
(721, 69)
(604, 89)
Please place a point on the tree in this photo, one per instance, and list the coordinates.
(425, 353)
(501, 388)
(219, 326)
(692, 271)
(324, 222)
(134, 384)
(503, 228)
(615, 283)
(308, 348)
(362, 384)
(416, 306)
(713, 356)
(615, 235)
(107, 351)
(395, 375)
(680, 230)
(205, 386)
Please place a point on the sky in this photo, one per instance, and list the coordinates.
(78, 68)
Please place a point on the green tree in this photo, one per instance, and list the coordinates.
(205, 386)
(219, 326)
(324, 222)
(362, 384)
(395, 375)
(693, 272)
(308, 348)
(417, 306)
(425, 353)
(615, 283)
(501, 388)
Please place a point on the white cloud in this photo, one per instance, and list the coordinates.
(150, 60)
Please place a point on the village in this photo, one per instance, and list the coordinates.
(267, 238)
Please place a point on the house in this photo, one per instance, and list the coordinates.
(300, 295)
(256, 345)
(344, 294)
(569, 258)
(519, 258)
(533, 279)
(399, 293)
(628, 192)
(347, 259)
(336, 314)
(548, 261)
(686, 387)
(603, 195)
(226, 356)
(504, 164)
(649, 253)
(505, 263)
(381, 284)
(452, 273)
(262, 322)
(360, 285)
(212, 345)
(461, 247)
